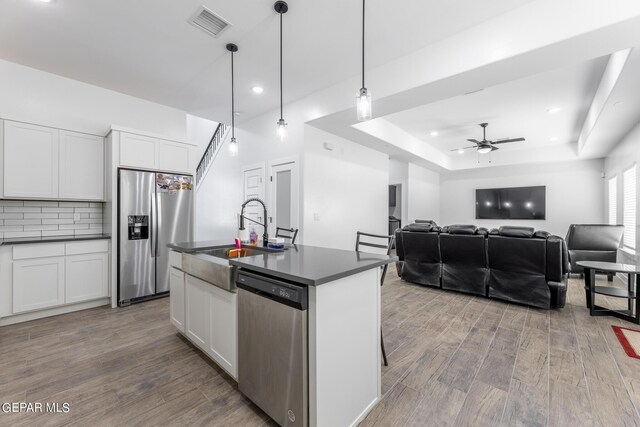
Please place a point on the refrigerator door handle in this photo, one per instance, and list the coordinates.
(157, 224)
(152, 225)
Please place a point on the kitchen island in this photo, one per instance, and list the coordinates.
(333, 302)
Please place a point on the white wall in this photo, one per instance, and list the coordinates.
(345, 190)
(624, 155)
(35, 96)
(574, 193)
(423, 194)
(219, 198)
(399, 175)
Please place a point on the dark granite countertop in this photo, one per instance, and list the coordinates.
(307, 265)
(52, 239)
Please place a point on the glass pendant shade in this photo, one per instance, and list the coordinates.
(364, 104)
(282, 129)
(233, 147)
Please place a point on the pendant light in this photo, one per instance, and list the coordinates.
(281, 7)
(233, 144)
(363, 99)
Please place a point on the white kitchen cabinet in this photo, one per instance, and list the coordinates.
(173, 156)
(86, 277)
(223, 330)
(176, 306)
(81, 166)
(38, 283)
(197, 311)
(147, 152)
(30, 160)
(138, 151)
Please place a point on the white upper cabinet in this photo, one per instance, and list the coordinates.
(173, 156)
(147, 152)
(81, 166)
(138, 151)
(30, 161)
(41, 162)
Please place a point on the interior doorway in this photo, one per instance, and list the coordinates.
(253, 186)
(395, 207)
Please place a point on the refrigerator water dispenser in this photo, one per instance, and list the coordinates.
(138, 227)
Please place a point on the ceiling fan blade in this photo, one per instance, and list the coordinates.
(494, 148)
(475, 141)
(464, 148)
(504, 141)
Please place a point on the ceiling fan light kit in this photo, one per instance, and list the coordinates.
(486, 146)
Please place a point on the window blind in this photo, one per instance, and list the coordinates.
(629, 205)
(613, 200)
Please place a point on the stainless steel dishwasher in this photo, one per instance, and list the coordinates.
(272, 347)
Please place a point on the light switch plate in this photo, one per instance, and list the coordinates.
(76, 217)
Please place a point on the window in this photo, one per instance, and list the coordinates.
(629, 205)
(613, 200)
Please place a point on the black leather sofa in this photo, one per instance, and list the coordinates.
(593, 242)
(515, 264)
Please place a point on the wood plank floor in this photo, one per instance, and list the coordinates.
(454, 359)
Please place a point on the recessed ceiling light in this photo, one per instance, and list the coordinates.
(553, 138)
(553, 110)
(257, 89)
(237, 113)
(461, 151)
(45, 1)
(434, 133)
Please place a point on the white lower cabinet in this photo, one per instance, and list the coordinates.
(223, 331)
(197, 311)
(38, 283)
(87, 277)
(176, 306)
(210, 321)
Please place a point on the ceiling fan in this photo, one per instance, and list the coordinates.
(487, 146)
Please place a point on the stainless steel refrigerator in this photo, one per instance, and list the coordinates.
(154, 209)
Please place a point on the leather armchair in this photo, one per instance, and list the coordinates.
(593, 242)
(419, 252)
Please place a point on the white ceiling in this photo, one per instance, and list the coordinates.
(513, 109)
(147, 49)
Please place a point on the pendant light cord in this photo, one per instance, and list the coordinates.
(281, 114)
(363, 43)
(233, 109)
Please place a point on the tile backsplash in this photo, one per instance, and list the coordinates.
(28, 218)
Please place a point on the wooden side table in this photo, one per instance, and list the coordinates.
(631, 293)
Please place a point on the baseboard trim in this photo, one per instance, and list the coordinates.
(25, 317)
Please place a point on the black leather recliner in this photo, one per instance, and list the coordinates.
(463, 249)
(511, 263)
(593, 242)
(526, 267)
(419, 252)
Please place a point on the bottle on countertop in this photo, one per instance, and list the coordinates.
(253, 237)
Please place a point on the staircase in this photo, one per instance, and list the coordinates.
(210, 153)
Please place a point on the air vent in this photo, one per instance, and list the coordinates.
(209, 22)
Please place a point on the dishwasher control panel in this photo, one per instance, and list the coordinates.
(286, 293)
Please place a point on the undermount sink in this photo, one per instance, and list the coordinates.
(212, 265)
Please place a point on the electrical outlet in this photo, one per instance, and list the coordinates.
(76, 217)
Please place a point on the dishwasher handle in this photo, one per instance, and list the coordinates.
(283, 292)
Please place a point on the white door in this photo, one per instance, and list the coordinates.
(176, 296)
(38, 283)
(30, 161)
(253, 186)
(197, 311)
(87, 277)
(81, 166)
(283, 182)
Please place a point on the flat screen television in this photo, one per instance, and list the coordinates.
(392, 196)
(511, 203)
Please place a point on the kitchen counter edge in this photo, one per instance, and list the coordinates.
(52, 239)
